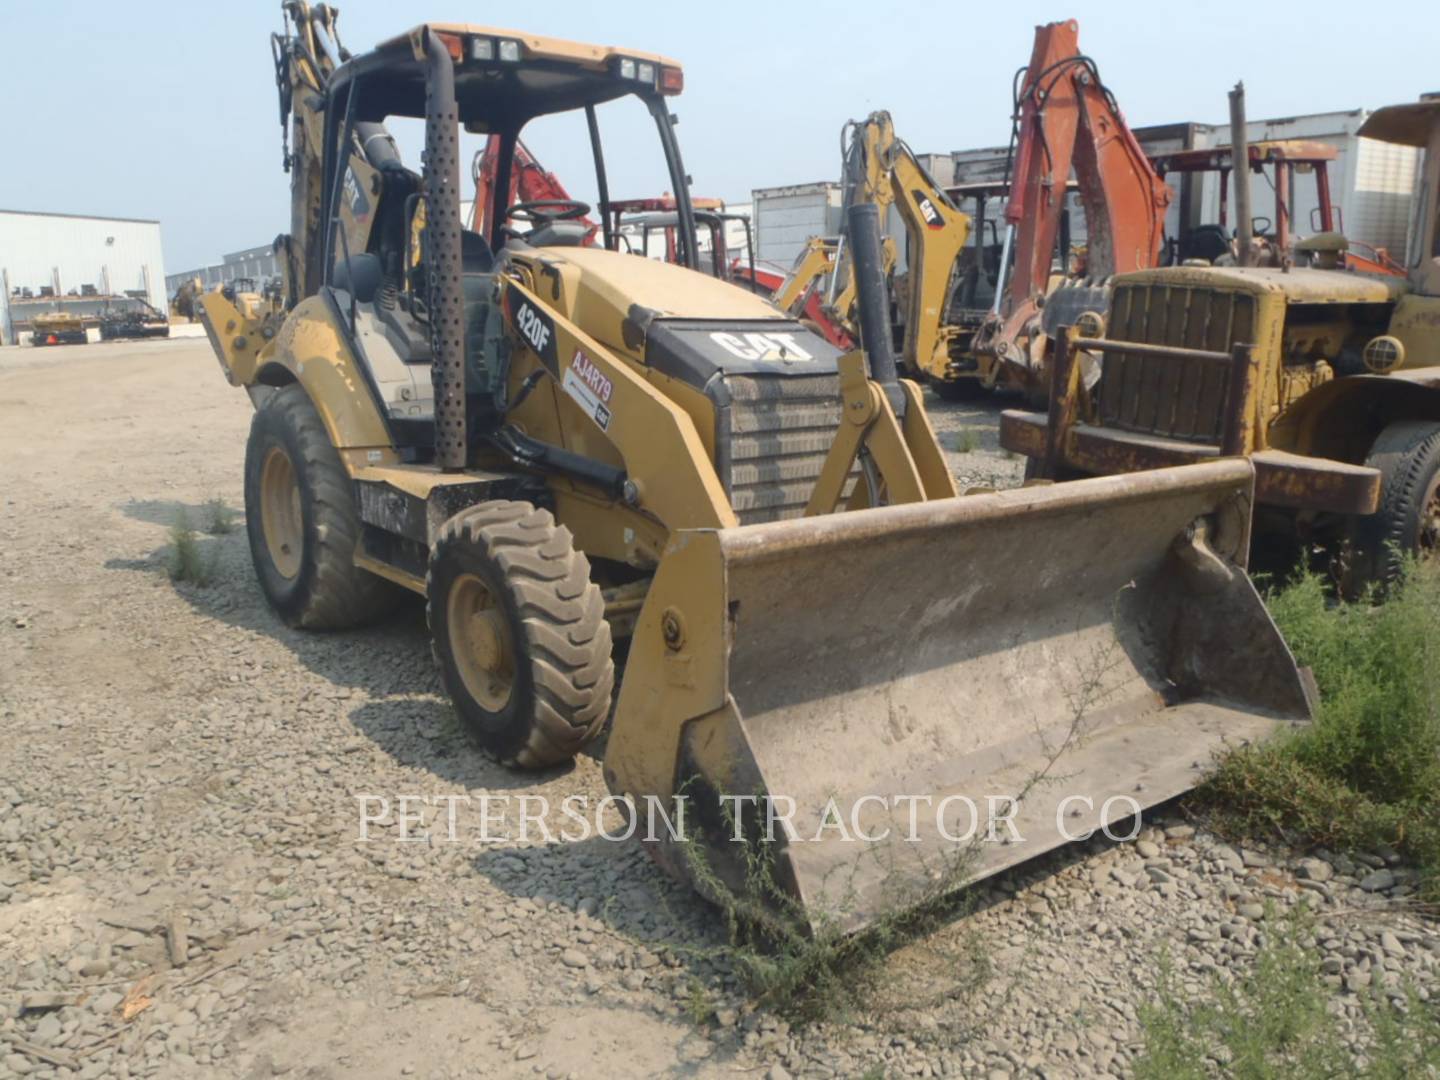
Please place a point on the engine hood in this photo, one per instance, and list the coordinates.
(617, 281)
(678, 321)
(1298, 286)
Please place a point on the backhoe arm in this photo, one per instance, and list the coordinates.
(937, 232)
(1066, 119)
(810, 268)
(882, 170)
(306, 55)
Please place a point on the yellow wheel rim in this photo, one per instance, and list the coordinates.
(280, 517)
(1429, 538)
(480, 642)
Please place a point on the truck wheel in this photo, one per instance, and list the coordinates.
(301, 519)
(1408, 520)
(520, 633)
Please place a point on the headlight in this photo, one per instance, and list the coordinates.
(647, 73)
(482, 49)
(509, 51)
(627, 69)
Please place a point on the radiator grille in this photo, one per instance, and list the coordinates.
(773, 440)
(1183, 399)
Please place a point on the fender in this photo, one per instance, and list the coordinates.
(1342, 418)
(311, 348)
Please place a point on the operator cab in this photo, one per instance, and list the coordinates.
(378, 218)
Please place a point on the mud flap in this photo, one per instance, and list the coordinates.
(938, 691)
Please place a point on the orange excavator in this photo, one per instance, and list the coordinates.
(529, 182)
(1065, 118)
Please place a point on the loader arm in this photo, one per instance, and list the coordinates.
(1066, 119)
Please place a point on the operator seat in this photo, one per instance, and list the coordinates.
(475, 254)
(477, 282)
(484, 329)
(1208, 242)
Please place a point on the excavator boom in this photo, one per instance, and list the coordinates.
(1066, 119)
(529, 182)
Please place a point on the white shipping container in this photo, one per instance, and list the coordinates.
(786, 217)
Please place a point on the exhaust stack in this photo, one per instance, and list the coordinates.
(1240, 159)
(442, 256)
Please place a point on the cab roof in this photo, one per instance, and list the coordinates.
(1262, 152)
(1409, 124)
(551, 75)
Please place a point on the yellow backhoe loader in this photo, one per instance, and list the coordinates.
(880, 168)
(560, 445)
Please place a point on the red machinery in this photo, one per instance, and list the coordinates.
(1066, 118)
(1283, 159)
(529, 182)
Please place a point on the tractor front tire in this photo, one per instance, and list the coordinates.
(302, 523)
(520, 633)
(1407, 523)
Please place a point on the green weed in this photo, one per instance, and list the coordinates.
(219, 517)
(187, 562)
(1272, 1023)
(1367, 772)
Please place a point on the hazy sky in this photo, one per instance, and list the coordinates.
(168, 111)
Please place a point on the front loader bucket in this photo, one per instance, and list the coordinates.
(1060, 656)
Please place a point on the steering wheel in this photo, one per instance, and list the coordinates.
(1260, 226)
(541, 212)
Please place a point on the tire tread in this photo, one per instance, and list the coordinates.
(562, 615)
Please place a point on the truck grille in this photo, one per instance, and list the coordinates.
(1161, 396)
(772, 439)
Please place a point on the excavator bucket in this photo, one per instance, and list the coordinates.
(905, 701)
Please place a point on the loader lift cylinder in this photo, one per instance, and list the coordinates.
(862, 225)
(444, 297)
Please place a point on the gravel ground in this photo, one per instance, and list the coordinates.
(183, 891)
(970, 434)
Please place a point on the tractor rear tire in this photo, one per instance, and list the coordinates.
(1407, 523)
(302, 523)
(520, 633)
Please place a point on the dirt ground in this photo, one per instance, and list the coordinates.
(183, 890)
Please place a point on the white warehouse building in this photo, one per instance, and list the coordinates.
(80, 255)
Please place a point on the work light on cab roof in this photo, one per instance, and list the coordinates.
(483, 48)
